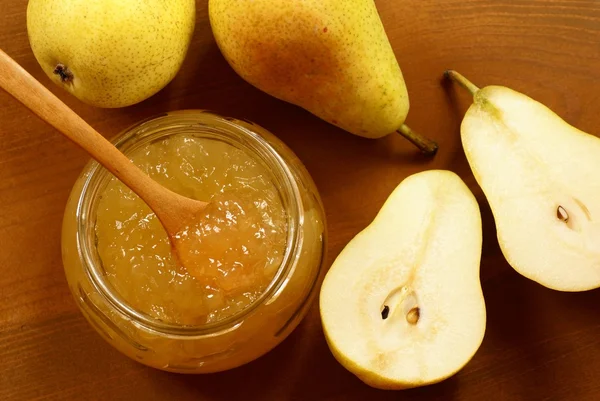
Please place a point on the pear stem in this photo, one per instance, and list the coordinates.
(462, 81)
(425, 145)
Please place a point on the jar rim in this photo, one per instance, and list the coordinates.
(96, 175)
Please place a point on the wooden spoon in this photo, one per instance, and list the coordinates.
(174, 211)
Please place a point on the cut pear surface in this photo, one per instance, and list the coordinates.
(402, 304)
(541, 177)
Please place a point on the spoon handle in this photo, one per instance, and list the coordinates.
(26, 89)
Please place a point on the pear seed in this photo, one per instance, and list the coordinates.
(562, 214)
(413, 315)
(385, 312)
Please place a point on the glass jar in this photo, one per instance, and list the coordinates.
(224, 344)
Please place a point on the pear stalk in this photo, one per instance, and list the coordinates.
(462, 81)
(425, 145)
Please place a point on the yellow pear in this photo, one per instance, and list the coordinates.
(539, 175)
(330, 57)
(402, 304)
(110, 53)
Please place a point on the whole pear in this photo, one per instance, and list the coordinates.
(330, 57)
(110, 53)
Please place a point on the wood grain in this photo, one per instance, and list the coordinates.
(539, 345)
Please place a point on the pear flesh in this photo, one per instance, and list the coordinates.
(110, 53)
(540, 177)
(402, 305)
(330, 57)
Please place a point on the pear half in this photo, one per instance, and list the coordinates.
(540, 177)
(402, 304)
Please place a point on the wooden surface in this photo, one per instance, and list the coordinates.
(539, 344)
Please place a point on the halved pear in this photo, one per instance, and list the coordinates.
(402, 304)
(540, 176)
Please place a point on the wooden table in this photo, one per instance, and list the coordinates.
(539, 345)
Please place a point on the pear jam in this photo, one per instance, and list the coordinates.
(237, 244)
(244, 273)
